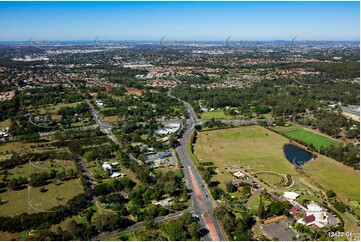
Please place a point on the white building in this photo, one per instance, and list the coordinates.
(165, 202)
(106, 166)
(169, 129)
(238, 174)
(117, 174)
(139, 76)
(99, 103)
(291, 195)
(314, 215)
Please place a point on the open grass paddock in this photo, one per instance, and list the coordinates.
(251, 146)
(5, 123)
(261, 149)
(55, 108)
(272, 180)
(17, 201)
(217, 114)
(17, 147)
(333, 175)
(58, 165)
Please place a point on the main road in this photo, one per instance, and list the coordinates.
(202, 203)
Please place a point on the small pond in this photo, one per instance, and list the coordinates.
(296, 155)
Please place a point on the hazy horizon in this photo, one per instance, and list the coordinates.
(40, 41)
(180, 21)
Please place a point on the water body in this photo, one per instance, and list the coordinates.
(296, 155)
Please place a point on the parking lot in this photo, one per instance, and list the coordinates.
(156, 161)
(279, 230)
(153, 157)
(332, 219)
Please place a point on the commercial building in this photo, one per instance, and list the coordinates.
(291, 195)
(315, 215)
(238, 174)
(169, 129)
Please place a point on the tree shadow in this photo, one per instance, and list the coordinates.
(203, 232)
(214, 183)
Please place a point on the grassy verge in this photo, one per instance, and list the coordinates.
(191, 154)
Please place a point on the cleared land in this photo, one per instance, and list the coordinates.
(5, 123)
(270, 179)
(17, 147)
(333, 175)
(218, 114)
(133, 91)
(24, 147)
(307, 136)
(261, 149)
(7, 236)
(17, 201)
(253, 147)
(58, 165)
(55, 108)
(111, 119)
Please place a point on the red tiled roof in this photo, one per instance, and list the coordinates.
(310, 219)
(293, 210)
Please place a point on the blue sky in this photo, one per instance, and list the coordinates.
(179, 20)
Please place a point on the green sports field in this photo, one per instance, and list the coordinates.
(307, 136)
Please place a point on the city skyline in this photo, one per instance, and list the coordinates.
(182, 21)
